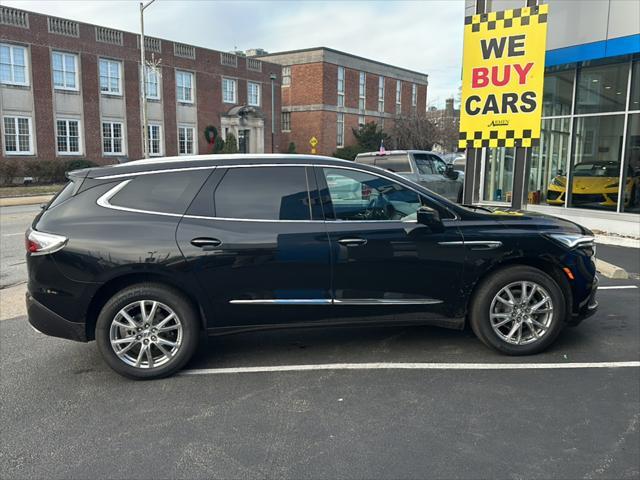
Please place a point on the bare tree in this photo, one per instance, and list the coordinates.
(414, 132)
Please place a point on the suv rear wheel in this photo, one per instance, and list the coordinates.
(147, 331)
(519, 310)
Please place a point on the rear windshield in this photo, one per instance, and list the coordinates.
(161, 192)
(65, 194)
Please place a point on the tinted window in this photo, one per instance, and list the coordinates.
(161, 192)
(439, 165)
(263, 193)
(357, 195)
(424, 163)
(394, 163)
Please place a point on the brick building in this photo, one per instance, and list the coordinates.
(72, 90)
(327, 93)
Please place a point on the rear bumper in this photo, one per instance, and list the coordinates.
(50, 323)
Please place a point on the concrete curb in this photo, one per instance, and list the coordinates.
(618, 241)
(13, 201)
(611, 271)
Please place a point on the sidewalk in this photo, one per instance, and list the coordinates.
(13, 201)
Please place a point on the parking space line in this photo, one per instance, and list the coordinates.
(12, 234)
(617, 287)
(411, 366)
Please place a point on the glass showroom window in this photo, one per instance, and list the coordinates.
(340, 130)
(631, 185)
(498, 174)
(558, 92)
(110, 77)
(68, 137)
(253, 94)
(228, 90)
(112, 143)
(17, 136)
(602, 87)
(13, 65)
(596, 161)
(185, 140)
(547, 177)
(362, 91)
(65, 70)
(154, 141)
(341, 86)
(184, 86)
(152, 83)
(381, 94)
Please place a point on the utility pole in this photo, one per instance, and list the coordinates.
(273, 110)
(143, 83)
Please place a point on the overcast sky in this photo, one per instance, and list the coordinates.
(422, 35)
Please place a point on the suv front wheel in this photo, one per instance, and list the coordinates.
(147, 331)
(518, 310)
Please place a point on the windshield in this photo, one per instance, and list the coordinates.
(596, 170)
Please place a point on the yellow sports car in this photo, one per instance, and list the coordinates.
(595, 184)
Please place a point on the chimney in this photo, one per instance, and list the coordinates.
(448, 106)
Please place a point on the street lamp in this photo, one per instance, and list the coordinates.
(273, 110)
(143, 86)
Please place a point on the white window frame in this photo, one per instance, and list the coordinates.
(68, 153)
(340, 130)
(286, 125)
(150, 127)
(147, 71)
(398, 96)
(340, 86)
(194, 140)
(15, 123)
(258, 94)
(192, 87)
(109, 63)
(111, 123)
(12, 65)
(76, 76)
(361, 120)
(381, 81)
(286, 76)
(233, 82)
(414, 94)
(362, 91)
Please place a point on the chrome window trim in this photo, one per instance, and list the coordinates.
(329, 301)
(491, 244)
(103, 201)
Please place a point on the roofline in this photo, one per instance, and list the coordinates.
(312, 49)
(133, 33)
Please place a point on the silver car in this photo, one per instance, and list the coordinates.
(423, 167)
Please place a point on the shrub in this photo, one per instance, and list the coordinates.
(9, 170)
(230, 144)
(349, 152)
(79, 164)
(292, 148)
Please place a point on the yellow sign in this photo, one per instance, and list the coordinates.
(502, 78)
(313, 142)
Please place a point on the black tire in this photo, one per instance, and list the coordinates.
(168, 296)
(489, 288)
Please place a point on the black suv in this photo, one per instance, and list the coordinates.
(144, 256)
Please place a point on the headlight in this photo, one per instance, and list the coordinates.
(572, 240)
(558, 183)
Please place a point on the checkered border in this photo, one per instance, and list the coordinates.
(497, 138)
(508, 18)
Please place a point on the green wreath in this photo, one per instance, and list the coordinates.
(210, 134)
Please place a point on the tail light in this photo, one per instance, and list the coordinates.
(40, 243)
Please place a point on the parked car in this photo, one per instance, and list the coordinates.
(146, 256)
(595, 184)
(423, 167)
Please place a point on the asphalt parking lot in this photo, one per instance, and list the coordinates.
(65, 414)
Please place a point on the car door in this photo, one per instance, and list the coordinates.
(256, 242)
(384, 262)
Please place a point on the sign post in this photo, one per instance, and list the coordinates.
(313, 141)
(502, 81)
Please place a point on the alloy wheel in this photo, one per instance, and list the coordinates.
(146, 334)
(521, 313)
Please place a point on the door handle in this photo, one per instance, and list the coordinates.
(206, 243)
(352, 242)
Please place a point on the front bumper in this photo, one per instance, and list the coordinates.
(50, 323)
(588, 308)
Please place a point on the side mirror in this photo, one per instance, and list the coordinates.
(430, 218)
(451, 172)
